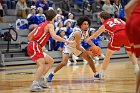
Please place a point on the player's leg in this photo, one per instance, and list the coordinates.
(105, 63)
(48, 63)
(39, 72)
(65, 58)
(89, 60)
(134, 61)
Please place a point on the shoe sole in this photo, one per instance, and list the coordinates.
(37, 90)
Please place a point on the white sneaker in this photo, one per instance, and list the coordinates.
(74, 58)
(43, 83)
(98, 76)
(85, 62)
(35, 87)
(102, 55)
(69, 62)
(96, 58)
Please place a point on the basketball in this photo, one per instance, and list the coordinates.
(96, 51)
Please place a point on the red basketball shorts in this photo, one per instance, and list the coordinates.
(34, 51)
(117, 40)
(133, 32)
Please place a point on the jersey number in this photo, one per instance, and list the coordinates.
(113, 23)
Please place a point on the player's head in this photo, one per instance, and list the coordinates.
(83, 23)
(50, 15)
(104, 16)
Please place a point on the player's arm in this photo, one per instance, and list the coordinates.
(30, 35)
(130, 7)
(50, 28)
(96, 34)
(77, 36)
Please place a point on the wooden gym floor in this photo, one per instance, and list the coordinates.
(119, 78)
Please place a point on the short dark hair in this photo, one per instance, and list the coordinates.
(50, 14)
(82, 19)
(104, 15)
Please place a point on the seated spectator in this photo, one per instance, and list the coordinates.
(22, 9)
(73, 21)
(107, 7)
(65, 6)
(60, 45)
(1, 13)
(32, 18)
(96, 8)
(117, 6)
(68, 25)
(78, 4)
(59, 12)
(58, 19)
(44, 4)
(40, 15)
(59, 26)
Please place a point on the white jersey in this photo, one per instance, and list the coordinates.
(77, 29)
(71, 48)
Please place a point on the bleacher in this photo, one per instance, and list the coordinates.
(16, 55)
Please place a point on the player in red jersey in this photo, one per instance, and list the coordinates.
(116, 29)
(132, 10)
(38, 38)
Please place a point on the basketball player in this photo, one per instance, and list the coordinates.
(78, 34)
(132, 10)
(38, 38)
(116, 29)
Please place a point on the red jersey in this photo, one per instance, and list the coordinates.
(116, 29)
(40, 35)
(114, 25)
(137, 8)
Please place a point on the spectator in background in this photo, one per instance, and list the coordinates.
(68, 25)
(73, 21)
(117, 6)
(59, 26)
(4, 6)
(96, 8)
(40, 15)
(22, 9)
(107, 7)
(32, 19)
(60, 45)
(59, 13)
(1, 13)
(58, 19)
(65, 6)
(43, 3)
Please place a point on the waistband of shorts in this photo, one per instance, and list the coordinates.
(36, 42)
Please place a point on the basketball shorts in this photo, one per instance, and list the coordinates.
(35, 51)
(117, 40)
(71, 50)
(133, 32)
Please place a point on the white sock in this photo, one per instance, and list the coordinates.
(52, 72)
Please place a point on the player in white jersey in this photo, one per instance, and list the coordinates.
(79, 33)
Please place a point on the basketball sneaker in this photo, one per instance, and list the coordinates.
(43, 83)
(98, 76)
(49, 78)
(35, 87)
